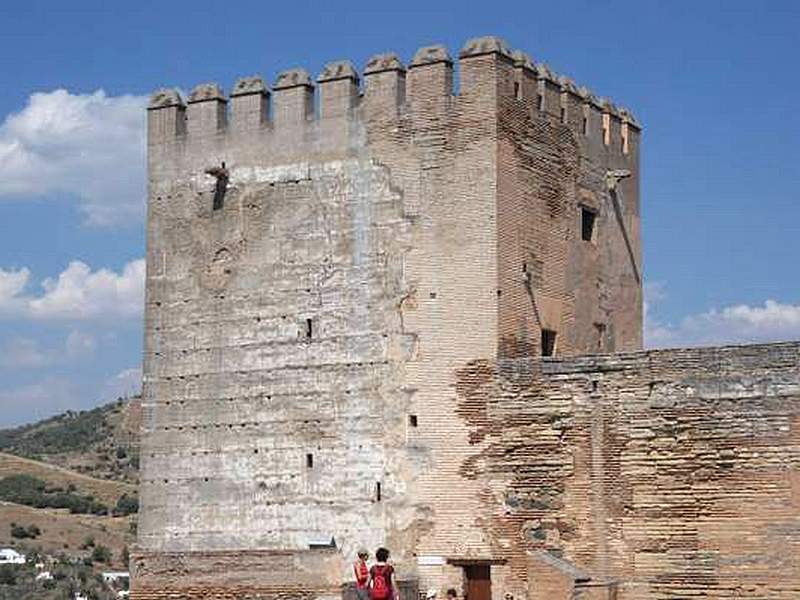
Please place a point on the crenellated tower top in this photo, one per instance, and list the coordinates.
(338, 90)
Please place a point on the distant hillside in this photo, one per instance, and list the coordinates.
(102, 443)
(68, 495)
(103, 490)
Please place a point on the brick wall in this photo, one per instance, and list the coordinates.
(674, 473)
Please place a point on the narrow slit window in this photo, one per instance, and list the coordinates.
(377, 491)
(585, 126)
(517, 91)
(588, 218)
(548, 342)
(624, 142)
(540, 102)
(563, 115)
(309, 328)
(309, 461)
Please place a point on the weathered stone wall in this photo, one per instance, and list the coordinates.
(304, 340)
(672, 473)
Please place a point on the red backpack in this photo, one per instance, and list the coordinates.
(381, 582)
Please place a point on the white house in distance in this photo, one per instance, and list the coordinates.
(116, 577)
(9, 556)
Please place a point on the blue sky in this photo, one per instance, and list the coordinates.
(714, 84)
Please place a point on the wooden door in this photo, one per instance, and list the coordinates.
(479, 583)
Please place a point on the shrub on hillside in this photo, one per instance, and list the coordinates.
(20, 532)
(126, 505)
(8, 575)
(31, 491)
(101, 554)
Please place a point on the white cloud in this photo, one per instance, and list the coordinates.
(126, 383)
(79, 293)
(741, 323)
(737, 324)
(91, 146)
(22, 353)
(12, 284)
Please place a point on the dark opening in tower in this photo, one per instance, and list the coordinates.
(548, 342)
(588, 218)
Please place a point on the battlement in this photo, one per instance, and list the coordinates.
(389, 89)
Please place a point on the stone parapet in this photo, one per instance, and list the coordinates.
(430, 79)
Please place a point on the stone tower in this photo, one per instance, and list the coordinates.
(325, 261)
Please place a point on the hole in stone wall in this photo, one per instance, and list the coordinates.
(563, 115)
(412, 420)
(309, 461)
(432, 295)
(309, 328)
(517, 91)
(585, 126)
(588, 218)
(539, 102)
(548, 342)
(594, 386)
(377, 491)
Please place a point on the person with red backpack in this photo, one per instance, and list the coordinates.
(382, 584)
(361, 572)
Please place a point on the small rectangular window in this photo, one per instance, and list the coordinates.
(309, 328)
(377, 491)
(517, 91)
(548, 342)
(585, 126)
(309, 461)
(540, 102)
(563, 115)
(412, 420)
(588, 217)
